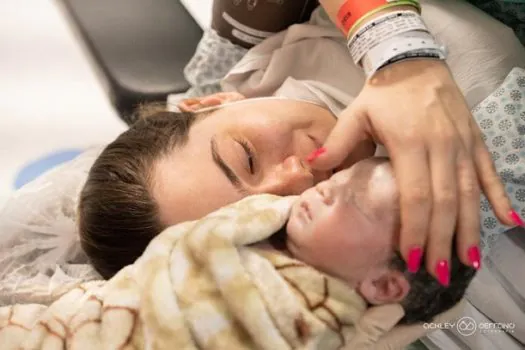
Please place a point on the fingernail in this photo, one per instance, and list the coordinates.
(474, 256)
(516, 218)
(315, 154)
(414, 259)
(443, 273)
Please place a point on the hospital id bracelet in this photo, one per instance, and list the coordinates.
(353, 12)
(383, 28)
(411, 45)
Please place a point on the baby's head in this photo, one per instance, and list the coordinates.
(348, 227)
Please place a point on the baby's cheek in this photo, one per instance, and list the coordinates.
(353, 251)
(331, 248)
(314, 247)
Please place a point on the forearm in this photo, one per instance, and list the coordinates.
(248, 22)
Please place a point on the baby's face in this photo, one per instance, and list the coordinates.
(345, 226)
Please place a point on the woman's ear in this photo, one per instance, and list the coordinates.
(195, 104)
(384, 287)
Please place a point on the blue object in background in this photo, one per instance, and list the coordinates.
(43, 164)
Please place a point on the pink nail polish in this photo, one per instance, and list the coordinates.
(414, 259)
(443, 273)
(316, 154)
(516, 218)
(474, 256)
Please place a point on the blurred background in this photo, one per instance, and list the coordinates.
(54, 102)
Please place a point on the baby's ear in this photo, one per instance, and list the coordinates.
(195, 104)
(384, 286)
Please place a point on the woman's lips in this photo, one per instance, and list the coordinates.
(317, 176)
(318, 144)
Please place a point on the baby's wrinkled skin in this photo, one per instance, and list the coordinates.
(346, 226)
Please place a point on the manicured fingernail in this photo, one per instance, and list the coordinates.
(414, 259)
(516, 218)
(443, 273)
(474, 256)
(315, 154)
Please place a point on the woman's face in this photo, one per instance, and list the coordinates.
(244, 148)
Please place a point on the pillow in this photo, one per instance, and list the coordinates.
(481, 50)
(39, 242)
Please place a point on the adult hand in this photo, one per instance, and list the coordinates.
(415, 109)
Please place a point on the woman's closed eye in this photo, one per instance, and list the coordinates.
(250, 155)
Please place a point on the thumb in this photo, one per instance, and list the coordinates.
(348, 133)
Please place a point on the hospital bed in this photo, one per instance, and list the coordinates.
(166, 34)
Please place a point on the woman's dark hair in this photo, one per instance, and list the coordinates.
(117, 215)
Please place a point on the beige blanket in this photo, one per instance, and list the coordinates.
(204, 285)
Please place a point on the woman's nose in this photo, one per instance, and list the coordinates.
(290, 177)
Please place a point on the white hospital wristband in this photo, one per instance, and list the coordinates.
(404, 46)
(383, 28)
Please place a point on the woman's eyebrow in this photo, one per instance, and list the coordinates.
(226, 170)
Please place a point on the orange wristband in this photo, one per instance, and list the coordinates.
(353, 10)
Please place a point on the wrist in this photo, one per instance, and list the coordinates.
(410, 69)
(417, 45)
(392, 37)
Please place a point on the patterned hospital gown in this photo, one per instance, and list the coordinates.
(501, 118)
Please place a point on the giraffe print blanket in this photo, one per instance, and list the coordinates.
(207, 284)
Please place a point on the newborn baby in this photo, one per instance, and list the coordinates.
(347, 227)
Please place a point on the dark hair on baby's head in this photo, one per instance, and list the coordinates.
(427, 298)
(118, 216)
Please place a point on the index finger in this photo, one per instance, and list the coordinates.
(347, 134)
